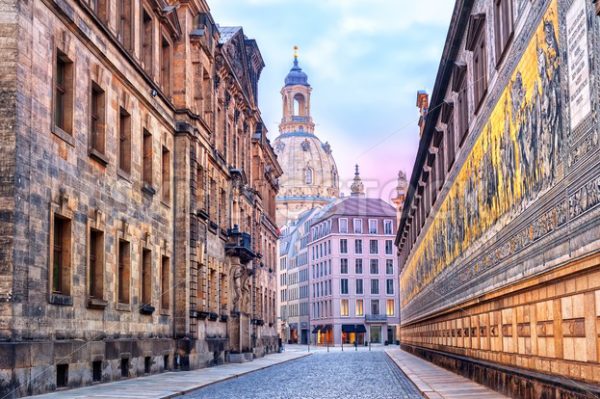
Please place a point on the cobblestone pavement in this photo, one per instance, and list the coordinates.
(360, 375)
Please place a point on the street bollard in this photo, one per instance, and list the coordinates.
(327, 346)
(369, 346)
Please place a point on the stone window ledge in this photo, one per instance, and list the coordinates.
(148, 189)
(64, 136)
(95, 303)
(98, 156)
(60, 299)
(124, 307)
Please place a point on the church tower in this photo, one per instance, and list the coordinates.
(310, 177)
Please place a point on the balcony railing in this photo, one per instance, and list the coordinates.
(239, 245)
(375, 318)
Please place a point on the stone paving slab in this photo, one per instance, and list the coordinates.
(435, 382)
(171, 384)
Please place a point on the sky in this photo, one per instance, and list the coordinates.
(365, 60)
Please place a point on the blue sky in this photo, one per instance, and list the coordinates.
(365, 60)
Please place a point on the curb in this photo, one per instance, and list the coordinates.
(430, 394)
(190, 390)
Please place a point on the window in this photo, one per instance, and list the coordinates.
(343, 226)
(165, 286)
(100, 8)
(389, 286)
(388, 247)
(359, 286)
(146, 277)
(359, 308)
(165, 66)
(344, 266)
(357, 224)
(374, 266)
(63, 93)
(124, 141)
(124, 21)
(124, 272)
(503, 26)
(61, 256)
(389, 266)
(387, 227)
(344, 307)
(147, 36)
(476, 43)
(96, 264)
(358, 247)
(147, 158)
(374, 286)
(308, 179)
(463, 118)
(372, 226)
(166, 175)
(390, 307)
(373, 247)
(358, 266)
(343, 246)
(448, 119)
(344, 286)
(97, 119)
(375, 306)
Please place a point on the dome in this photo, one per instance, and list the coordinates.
(296, 76)
(309, 171)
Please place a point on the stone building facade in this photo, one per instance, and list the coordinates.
(499, 237)
(138, 193)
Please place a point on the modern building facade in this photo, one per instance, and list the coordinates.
(138, 194)
(353, 271)
(310, 177)
(499, 237)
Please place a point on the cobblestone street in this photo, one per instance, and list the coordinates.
(323, 375)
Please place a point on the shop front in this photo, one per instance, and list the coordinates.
(324, 334)
(353, 333)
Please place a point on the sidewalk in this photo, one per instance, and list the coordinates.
(435, 382)
(172, 384)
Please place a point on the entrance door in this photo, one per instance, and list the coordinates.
(376, 334)
(391, 336)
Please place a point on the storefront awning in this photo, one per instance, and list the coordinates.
(326, 328)
(317, 329)
(348, 328)
(360, 328)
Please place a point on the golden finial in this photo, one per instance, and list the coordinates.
(296, 48)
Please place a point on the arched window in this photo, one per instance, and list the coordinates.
(299, 105)
(334, 178)
(309, 176)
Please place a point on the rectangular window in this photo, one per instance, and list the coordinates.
(165, 66)
(374, 266)
(147, 158)
(61, 256)
(97, 119)
(63, 93)
(358, 247)
(359, 286)
(166, 175)
(389, 285)
(343, 266)
(387, 227)
(165, 286)
(390, 307)
(503, 26)
(344, 307)
(96, 264)
(147, 36)
(373, 247)
(389, 245)
(375, 306)
(124, 141)
(146, 276)
(343, 246)
(479, 71)
(463, 117)
(343, 226)
(372, 226)
(357, 224)
(374, 286)
(359, 308)
(389, 266)
(451, 134)
(125, 23)
(358, 266)
(344, 286)
(124, 277)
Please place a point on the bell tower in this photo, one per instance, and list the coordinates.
(296, 101)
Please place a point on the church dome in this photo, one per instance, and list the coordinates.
(296, 76)
(310, 173)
